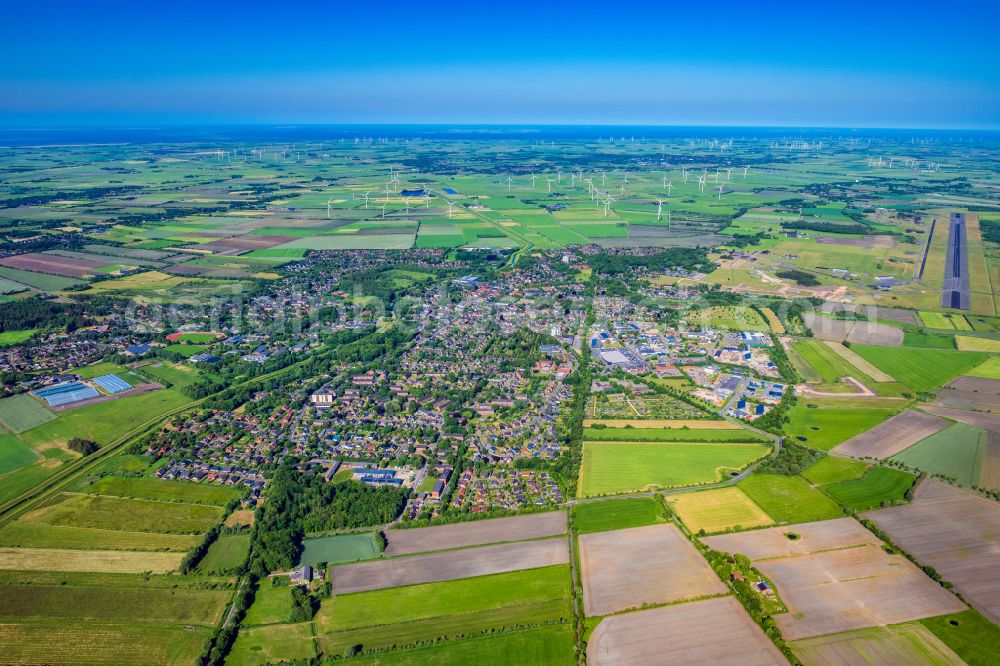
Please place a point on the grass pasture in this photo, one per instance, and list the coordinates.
(106, 512)
(37, 535)
(616, 514)
(21, 413)
(718, 510)
(14, 454)
(957, 452)
(881, 485)
(832, 469)
(225, 554)
(969, 343)
(970, 635)
(730, 317)
(544, 646)
(202, 607)
(920, 369)
(98, 561)
(162, 490)
(89, 643)
(788, 499)
(619, 467)
(827, 424)
(988, 369)
(340, 549)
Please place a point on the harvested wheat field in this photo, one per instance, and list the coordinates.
(682, 634)
(909, 643)
(839, 589)
(892, 436)
(642, 565)
(97, 561)
(957, 533)
(449, 565)
(970, 393)
(718, 510)
(476, 533)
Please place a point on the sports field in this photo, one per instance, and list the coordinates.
(718, 510)
(620, 467)
(617, 514)
(788, 499)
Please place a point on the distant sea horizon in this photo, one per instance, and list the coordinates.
(290, 133)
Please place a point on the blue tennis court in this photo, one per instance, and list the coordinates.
(112, 383)
(66, 393)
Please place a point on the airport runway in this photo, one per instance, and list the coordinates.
(955, 290)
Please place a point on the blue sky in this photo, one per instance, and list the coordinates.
(843, 64)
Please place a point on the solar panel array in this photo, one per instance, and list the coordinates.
(112, 383)
(66, 393)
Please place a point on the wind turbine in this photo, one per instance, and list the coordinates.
(670, 187)
(685, 172)
(329, 201)
(451, 206)
(383, 211)
(729, 173)
(745, 172)
(558, 176)
(508, 183)
(532, 181)
(607, 205)
(366, 199)
(720, 190)
(659, 209)
(406, 202)
(427, 198)
(548, 182)
(604, 178)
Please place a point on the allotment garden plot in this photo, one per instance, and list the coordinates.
(620, 406)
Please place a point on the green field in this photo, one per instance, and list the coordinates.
(789, 499)
(988, 369)
(920, 369)
(946, 321)
(186, 350)
(162, 489)
(832, 469)
(829, 365)
(122, 643)
(272, 604)
(671, 435)
(14, 454)
(225, 554)
(39, 535)
(620, 467)
(730, 317)
(178, 375)
(272, 643)
(957, 451)
(8, 338)
(21, 413)
(196, 337)
(114, 513)
(970, 635)
(880, 485)
(545, 646)
(617, 514)
(928, 340)
(825, 426)
(39, 281)
(339, 549)
(203, 607)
